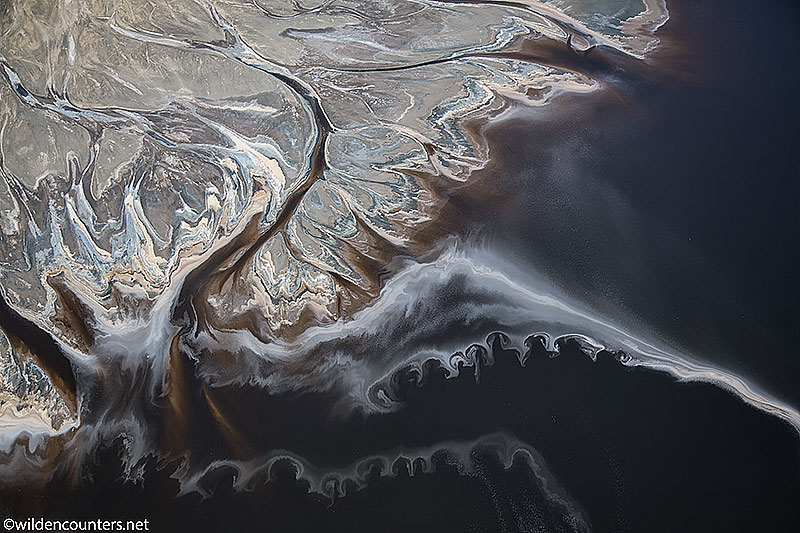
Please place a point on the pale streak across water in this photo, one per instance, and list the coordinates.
(237, 180)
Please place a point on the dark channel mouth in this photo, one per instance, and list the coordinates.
(29, 339)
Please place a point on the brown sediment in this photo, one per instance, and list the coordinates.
(191, 420)
(29, 339)
(72, 315)
(238, 444)
(178, 409)
(240, 251)
(372, 257)
(673, 58)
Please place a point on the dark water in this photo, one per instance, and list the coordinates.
(638, 451)
(689, 191)
(676, 202)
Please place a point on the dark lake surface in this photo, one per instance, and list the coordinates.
(680, 203)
